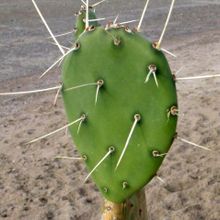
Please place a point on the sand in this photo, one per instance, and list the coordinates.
(33, 185)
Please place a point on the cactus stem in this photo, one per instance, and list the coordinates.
(193, 144)
(137, 118)
(30, 92)
(57, 130)
(110, 151)
(198, 77)
(132, 208)
(98, 3)
(142, 16)
(165, 26)
(100, 83)
(57, 94)
(152, 70)
(156, 153)
(68, 158)
(161, 180)
(81, 86)
(168, 52)
(48, 28)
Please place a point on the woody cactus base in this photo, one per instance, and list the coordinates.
(131, 209)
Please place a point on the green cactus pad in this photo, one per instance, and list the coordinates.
(121, 58)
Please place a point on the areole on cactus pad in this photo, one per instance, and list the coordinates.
(127, 100)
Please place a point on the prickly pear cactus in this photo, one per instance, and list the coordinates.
(127, 102)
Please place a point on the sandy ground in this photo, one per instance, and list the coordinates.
(33, 185)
